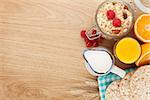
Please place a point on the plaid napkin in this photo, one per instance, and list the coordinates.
(104, 81)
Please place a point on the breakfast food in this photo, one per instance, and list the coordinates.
(124, 88)
(114, 18)
(113, 92)
(140, 83)
(134, 86)
(127, 50)
(145, 55)
(142, 28)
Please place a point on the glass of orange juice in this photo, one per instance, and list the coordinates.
(127, 50)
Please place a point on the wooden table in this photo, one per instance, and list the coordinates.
(40, 50)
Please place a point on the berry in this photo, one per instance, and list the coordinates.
(117, 22)
(86, 40)
(93, 41)
(95, 44)
(94, 31)
(83, 33)
(89, 44)
(110, 14)
(115, 31)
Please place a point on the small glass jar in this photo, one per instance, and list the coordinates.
(106, 27)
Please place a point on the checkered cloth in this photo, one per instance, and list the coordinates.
(104, 81)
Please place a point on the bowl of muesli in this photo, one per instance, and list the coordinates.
(114, 18)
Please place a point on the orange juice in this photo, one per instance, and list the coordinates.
(128, 50)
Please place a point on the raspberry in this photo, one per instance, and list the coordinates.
(94, 31)
(117, 22)
(83, 33)
(110, 14)
(86, 40)
(93, 41)
(95, 44)
(89, 44)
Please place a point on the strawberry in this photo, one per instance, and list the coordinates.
(110, 14)
(116, 22)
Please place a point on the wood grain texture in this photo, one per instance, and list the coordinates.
(40, 50)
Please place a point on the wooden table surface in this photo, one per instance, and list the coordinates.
(40, 50)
